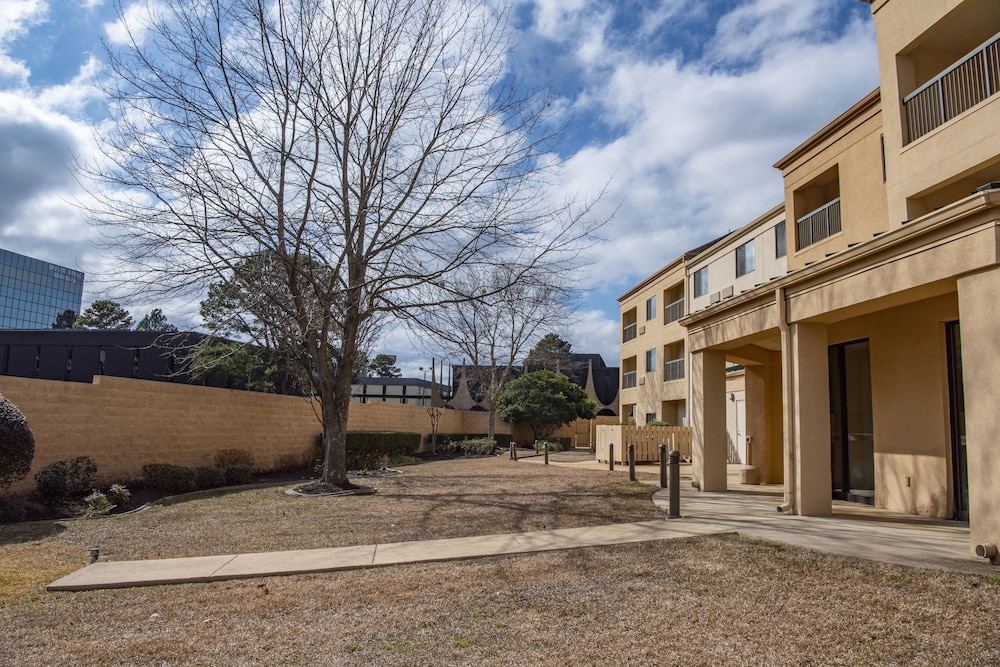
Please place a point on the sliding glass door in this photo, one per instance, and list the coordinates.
(852, 443)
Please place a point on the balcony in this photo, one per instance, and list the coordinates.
(673, 370)
(821, 223)
(960, 87)
(629, 380)
(629, 332)
(673, 311)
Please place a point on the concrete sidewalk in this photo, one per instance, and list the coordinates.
(124, 574)
(852, 530)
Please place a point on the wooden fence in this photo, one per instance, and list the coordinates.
(647, 440)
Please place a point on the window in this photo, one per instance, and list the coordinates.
(650, 417)
(650, 307)
(651, 360)
(745, 259)
(780, 248)
(701, 282)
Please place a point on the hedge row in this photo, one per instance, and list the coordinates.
(181, 479)
(502, 439)
(368, 449)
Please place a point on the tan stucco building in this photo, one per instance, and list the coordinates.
(872, 361)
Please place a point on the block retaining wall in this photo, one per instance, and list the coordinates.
(123, 423)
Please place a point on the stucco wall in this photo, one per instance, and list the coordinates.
(909, 403)
(123, 424)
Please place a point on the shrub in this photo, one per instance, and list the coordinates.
(290, 462)
(554, 446)
(17, 444)
(97, 503)
(366, 448)
(502, 439)
(13, 509)
(56, 482)
(209, 477)
(238, 473)
(472, 447)
(228, 457)
(118, 494)
(169, 477)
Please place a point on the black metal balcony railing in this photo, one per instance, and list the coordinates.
(673, 370)
(629, 332)
(673, 311)
(629, 380)
(960, 87)
(821, 223)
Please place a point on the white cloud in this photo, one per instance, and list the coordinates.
(696, 141)
(133, 23)
(18, 17)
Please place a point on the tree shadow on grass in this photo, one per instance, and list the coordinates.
(32, 531)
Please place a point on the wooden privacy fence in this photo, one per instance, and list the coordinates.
(647, 440)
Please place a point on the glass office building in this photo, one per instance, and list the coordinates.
(33, 293)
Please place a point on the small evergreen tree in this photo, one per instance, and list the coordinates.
(384, 366)
(104, 314)
(155, 320)
(17, 444)
(545, 401)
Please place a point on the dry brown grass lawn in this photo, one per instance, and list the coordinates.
(714, 600)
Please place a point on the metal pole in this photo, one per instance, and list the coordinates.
(611, 456)
(546, 446)
(631, 462)
(674, 459)
(663, 466)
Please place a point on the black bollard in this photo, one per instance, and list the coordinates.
(546, 446)
(663, 466)
(611, 456)
(631, 462)
(674, 458)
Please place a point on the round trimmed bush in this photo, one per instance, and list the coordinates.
(17, 444)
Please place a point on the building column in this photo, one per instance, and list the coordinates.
(764, 420)
(806, 376)
(708, 416)
(978, 296)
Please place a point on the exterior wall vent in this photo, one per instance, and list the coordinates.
(642, 330)
(727, 292)
(715, 298)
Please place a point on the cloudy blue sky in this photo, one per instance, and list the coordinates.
(679, 107)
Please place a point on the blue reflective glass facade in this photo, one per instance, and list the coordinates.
(34, 293)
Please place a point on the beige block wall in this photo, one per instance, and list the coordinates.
(123, 423)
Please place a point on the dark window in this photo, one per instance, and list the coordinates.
(780, 246)
(745, 260)
(701, 282)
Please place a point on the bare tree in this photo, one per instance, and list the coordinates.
(370, 152)
(495, 326)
